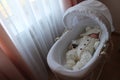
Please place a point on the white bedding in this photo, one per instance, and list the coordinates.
(78, 56)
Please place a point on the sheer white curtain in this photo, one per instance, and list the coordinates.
(32, 26)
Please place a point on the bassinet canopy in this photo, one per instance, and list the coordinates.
(88, 9)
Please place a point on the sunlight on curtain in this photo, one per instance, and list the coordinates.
(32, 26)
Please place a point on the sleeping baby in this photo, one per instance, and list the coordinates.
(82, 49)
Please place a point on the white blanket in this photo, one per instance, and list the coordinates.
(77, 57)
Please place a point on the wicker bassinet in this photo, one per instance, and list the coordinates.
(76, 19)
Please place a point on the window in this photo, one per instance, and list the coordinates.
(4, 9)
(18, 15)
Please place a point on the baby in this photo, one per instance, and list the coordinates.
(82, 49)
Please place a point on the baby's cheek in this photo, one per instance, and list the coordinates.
(94, 35)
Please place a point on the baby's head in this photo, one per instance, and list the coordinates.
(92, 32)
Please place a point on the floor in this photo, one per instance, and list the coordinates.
(111, 69)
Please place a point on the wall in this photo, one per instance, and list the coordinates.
(114, 6)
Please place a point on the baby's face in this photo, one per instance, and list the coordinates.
(94, 35)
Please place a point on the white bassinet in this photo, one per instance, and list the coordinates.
(76, 19)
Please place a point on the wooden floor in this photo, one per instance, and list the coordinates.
(111, 69)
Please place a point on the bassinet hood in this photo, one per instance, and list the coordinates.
(89, 9)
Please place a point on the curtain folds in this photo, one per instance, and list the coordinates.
(8, 70)
(7, 48)
(32, 25)
(68, 3)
